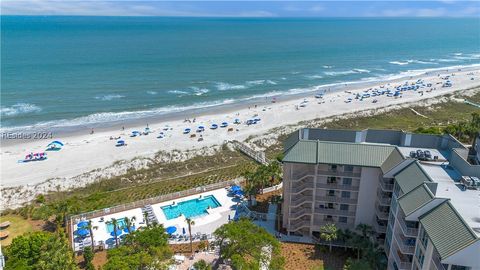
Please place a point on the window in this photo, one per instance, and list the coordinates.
(328, 218)
(345, 194)
(342, 219)
(459, 267)
(344, 207)
(333, 168)
(348, 168)
(331, 192)
(423, 237)
(420, 256)
(347, 181)
(330, 205)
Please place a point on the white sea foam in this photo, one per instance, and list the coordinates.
(19, 109)
(178, 92)
(346, 72)
(199, 91)
(399, 63)
(447, 60)
(223, 86)
(314, 77)
(413, 61)
(327, 66)
(152, 92)
(109, 97)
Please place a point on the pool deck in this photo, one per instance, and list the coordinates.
(204, 224)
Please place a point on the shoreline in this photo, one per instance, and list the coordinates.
(136, 123)
(86, 158)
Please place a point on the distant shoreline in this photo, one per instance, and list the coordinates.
(136, 123)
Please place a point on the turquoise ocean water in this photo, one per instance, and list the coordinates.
(87, 71)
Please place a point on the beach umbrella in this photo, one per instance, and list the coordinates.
(82, 232)
(55, 143)
(82, 224)
(235, 188)
(183, 230)
(110, 241)
(171, 229)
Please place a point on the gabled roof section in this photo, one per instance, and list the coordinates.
(415, 199)
(411, 177)
(302, 152)
(358, 154)
(447, 230)
(392, 160)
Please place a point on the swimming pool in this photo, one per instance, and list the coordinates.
(191, 208)
(120, 224)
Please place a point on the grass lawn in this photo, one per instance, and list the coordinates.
(19, 226)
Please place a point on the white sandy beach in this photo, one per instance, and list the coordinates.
(84, 153)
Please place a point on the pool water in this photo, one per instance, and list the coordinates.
(191, 208)
(120, 224)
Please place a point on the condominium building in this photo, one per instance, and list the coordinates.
(419, 192)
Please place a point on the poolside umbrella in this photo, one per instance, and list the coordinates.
(82, 224)
(119, 232)
(110, 241)
(171, 229)
(235, 188)
(82, 232)
(183, 230)
(132, 229)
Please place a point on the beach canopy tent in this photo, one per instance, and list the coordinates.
(120, 143)
(224, 124)
(237, 121)
(82, 224)
(55, 145)
(171, 229)
(82, 232)
(132, 229)
(187, 130)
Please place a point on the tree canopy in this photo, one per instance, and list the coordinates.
(144, 249)
(247, 246)
(464, 131)
(39, 250)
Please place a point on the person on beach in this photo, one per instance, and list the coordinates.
(91, 132)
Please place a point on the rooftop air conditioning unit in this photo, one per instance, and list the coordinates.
(467, 181)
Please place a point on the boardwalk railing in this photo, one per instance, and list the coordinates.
(258, 156)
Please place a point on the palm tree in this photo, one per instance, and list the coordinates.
(90, 229)
(190, 223)
(114, 222)
(366, 230)
(145, 217)
(129, 223)
(275, 170)
(329, 233)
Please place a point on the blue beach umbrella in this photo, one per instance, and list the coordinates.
(110, 241)
(235, 188)
(82, 224)
(171, 229)
(82, 232)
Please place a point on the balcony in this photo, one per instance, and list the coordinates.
(401, 264)
(436, 264)
(339, 173)
(300, 213)
(337, 186)
(302, 187)
(296, 225)
(383, 199)
(386, 186)
(299, 200)
(340, 225)
(381, 214)
(335, 212)
(379, 228)
(407, 231)
(336, 199)
(402, 244)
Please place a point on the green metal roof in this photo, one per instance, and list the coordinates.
(302, 152)
(447, 230)
(415, 199)
(358, 154)
(368, 155)
(392, 160)
(411, 177)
